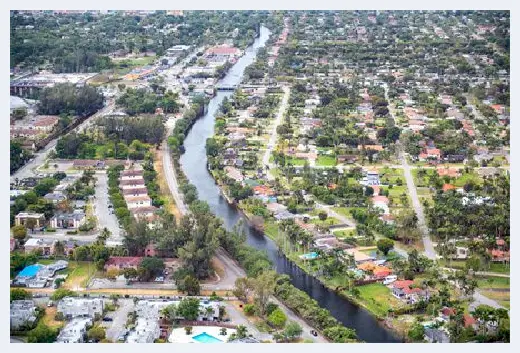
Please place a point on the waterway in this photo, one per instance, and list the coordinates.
(193, 163)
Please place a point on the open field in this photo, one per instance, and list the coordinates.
(378, 298)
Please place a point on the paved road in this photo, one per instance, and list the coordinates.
(429, 250)
(116, 327)
(291, 316)
(169, 171)
(103, 213)
(39, 158)
(479, 299)
(274, 134)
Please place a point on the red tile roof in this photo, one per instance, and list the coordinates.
(123, 261)
(402, 284)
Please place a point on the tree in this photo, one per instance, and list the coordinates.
(322, 215)
(385, 245)
(42, 334)
(129, 273)
(263, 287)
(292, 331)
(96, 333)
(190, 285)
(19, 232)
(241, 331)
(277, 318)
(20, 294)
(339, 334)
(150, 267)
(242, 288)
(188, 308)
(223, 331)
(416, 333)
(112, 272)
(249, 309)
(61, 293)
(188, 330)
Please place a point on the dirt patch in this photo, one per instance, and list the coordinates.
(163, 185)
(48, 318)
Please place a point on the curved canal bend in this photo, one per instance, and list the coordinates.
(193, 163)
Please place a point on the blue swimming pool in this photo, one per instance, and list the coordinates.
(309, 256)
(30, 271)
(206, 338)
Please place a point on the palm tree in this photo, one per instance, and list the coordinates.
(241, 331)
(223, 331)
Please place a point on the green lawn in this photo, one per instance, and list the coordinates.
(378, 298)
(295, 161)
(464, 178)
(493, 282)
(271, 229)
(326, 161)
(330, 221)
(345, 211)
(344, 233)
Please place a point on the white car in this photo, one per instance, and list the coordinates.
(389, 279)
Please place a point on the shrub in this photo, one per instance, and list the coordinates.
(249, 309)
(277, 318)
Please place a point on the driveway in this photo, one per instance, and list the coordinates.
(116, 327)
(105, 218)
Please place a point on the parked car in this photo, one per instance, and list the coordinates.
(108, 319)
(389, 279)
(50, 303)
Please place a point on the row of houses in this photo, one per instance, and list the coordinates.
(135, 193)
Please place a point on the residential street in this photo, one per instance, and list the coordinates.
(429, 250)
(274, 134)
(39, 158)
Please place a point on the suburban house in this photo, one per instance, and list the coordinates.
(138, 201)
(143, 212)
(131, 184)
(131, 174)
(23, 312)
(75, 330)
(381, 202)
(25, 218)
(68, 220)
(404, 290)
(45, 245)
(135, 191)
(145, 331)
(55, 197)
(435, 335)
(122, 262)
(71, 307)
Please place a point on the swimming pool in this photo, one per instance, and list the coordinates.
(30, 271)
(309, 256)
(206, 338)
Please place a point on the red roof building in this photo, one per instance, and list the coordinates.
(122, 262)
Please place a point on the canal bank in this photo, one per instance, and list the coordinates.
(194, 165)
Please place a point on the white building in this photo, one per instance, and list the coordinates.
(145, 331)
(138, 201)
(75, 330)
(74, 307)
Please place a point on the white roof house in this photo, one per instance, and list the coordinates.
(75, 330)
(22, 312)
(73, 307)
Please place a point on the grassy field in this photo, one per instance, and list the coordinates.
(295, 161)
(344, 233)
(326, 161)
(345, 211)
(330, 221)
(493, 282)
(467, 177)
(378, 298)
(79, 273)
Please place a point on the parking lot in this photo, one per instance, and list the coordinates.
(105, 216)
(116, 326)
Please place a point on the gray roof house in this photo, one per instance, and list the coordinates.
(434, 335)
(23, 312)
(68, 220)
(55, 197)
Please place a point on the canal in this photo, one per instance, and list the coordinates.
(193, 163)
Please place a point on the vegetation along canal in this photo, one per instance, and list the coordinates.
(193, 163)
